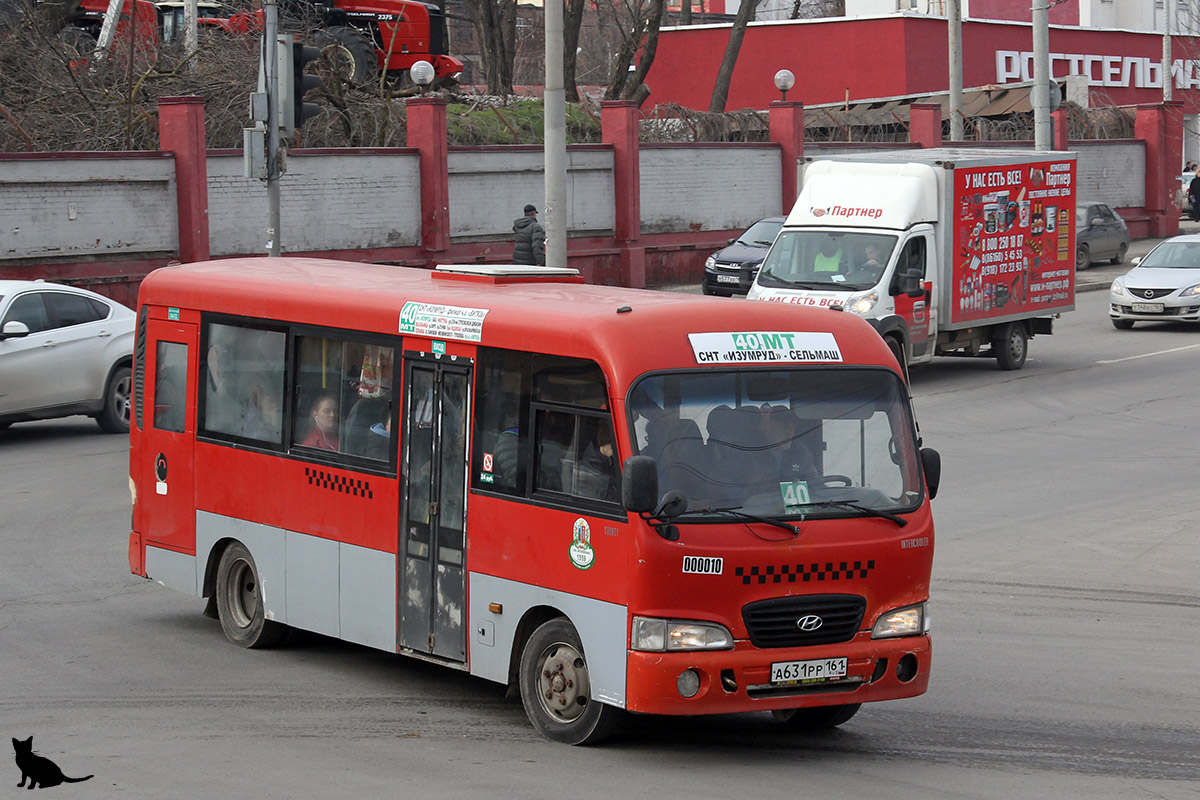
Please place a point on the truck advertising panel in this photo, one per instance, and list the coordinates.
(1014, 240)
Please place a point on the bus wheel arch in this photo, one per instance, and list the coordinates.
(239, 600)
(555, 686)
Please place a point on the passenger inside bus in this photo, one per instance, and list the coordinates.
(324, 414)
(592, 473)
(264, 418)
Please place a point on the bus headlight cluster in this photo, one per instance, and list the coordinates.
(670, 635)
(907, 621)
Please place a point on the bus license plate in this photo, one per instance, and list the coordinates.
(819, 670)
(1147, 308)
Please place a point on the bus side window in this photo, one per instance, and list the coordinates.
(242, 376)
(344, 397)
(170, 386)
(501, 439)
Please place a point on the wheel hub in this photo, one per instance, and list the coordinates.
(563, 683)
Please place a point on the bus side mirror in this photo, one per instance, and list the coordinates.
(931, 464)
(639, 484)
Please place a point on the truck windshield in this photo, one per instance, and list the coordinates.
(781, 443)
(831, 260)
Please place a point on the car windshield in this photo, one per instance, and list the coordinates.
(827, 260)
(761, 233)
(780, 443)
(1173, 255)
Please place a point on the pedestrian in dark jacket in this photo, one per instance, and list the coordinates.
(1194, 197)
(529, 240)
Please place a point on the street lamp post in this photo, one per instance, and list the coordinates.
(421, 74)
(784, 80)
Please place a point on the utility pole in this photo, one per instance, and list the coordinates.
(1167, 61)
(1040, 98)
(191, 33)
(555, 134)
(270, 47)
(954, 20)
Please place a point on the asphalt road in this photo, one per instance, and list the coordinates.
(1065, 619)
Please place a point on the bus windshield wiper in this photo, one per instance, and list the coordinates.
(737, 513)
(874, 512)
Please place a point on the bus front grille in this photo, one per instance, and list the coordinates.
(804, 621)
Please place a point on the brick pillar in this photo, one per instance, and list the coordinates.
(181, 131)
(925, 124)
(786, 121)
(619, 127)
(1061, 119)
(1161, 128)
(427, 133)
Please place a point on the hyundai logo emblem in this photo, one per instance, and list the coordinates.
(1149, 294)
(809, 623)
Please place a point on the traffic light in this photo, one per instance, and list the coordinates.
(294, 83)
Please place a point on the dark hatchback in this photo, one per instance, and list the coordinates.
(723, 273)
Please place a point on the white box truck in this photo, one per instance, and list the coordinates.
(946, 251)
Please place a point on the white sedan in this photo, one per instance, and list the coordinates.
(64, 351)
(1162, 287)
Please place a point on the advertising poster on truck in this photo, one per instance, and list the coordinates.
(1014, 240)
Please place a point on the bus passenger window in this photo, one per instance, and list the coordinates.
(344, 397)
(589, 470)
(242, 375)
(170, 386)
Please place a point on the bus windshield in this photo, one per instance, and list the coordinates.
(830, 260)
(781, 442)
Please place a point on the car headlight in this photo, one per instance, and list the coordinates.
(1191, 291)
(1118, 287)
(710, 262)
(907, 621)
(659, 635)
(862, 304)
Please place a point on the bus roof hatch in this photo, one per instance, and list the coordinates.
(506, 273)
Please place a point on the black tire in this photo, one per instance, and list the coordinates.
(239, 601)
(897, 348)
(1083, 257)
(349, 55)
(1122, 324)
(1120, 256)
(555, 687)
(114, 418)
(815, 719)
(1011, 347)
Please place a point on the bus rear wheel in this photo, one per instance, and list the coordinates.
(815, 719)
(239, 601)
(555, 687)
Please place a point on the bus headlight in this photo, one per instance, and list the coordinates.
(862, 304)
(659, 635)
(907, 621)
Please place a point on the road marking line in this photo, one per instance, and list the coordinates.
(1148, 355)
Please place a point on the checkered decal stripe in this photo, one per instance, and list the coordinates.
(339, 483)
(844, 571)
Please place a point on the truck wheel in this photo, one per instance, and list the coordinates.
(555, 688)
(239, 601)
(348, 54)
(1011, 347)
(1083, 257)
(812, 719)
(1122, 324)
(114, 418)
(1120, 256)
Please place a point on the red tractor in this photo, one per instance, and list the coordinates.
(360, 38)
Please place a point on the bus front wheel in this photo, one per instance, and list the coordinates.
(239, 601)
(555, 687)
(813, 719)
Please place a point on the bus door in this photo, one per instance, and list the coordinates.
(168, 424)
(432, 547)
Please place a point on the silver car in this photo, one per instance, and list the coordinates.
(1162, 287)
(64, 351)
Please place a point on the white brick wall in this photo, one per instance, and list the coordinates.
(81, 207)
(708, 188)
(327, 202)
(488, 189)
(1112, 173)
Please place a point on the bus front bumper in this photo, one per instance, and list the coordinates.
(738, 680)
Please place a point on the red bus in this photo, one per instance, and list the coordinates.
(612, 499)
